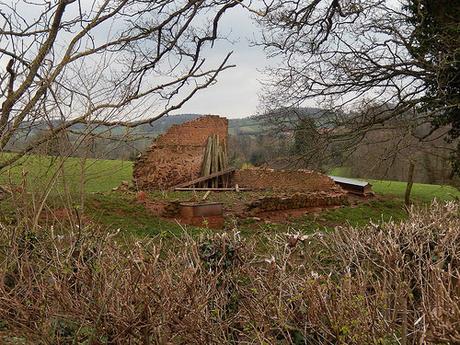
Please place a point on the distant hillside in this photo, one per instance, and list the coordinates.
(163, 124)
(244, 126)
(112, 143)
(251, 126)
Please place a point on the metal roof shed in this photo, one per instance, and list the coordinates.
(353, 186)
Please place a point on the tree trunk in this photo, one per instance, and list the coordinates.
(410, 182)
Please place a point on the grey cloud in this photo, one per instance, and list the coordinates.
(235, 93)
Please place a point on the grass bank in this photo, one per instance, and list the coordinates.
(96, 179)
(69, 174)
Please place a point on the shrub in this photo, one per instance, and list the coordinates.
(384, 283)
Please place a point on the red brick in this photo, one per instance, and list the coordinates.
(284, 180)
(177, 155)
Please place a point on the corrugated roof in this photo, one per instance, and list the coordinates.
(349, 181)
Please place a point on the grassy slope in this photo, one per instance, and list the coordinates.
(99, 175)
(120, 211)
(420, 192)
(392, 207)
(244, 126)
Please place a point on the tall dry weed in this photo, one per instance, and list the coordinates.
(390, 283)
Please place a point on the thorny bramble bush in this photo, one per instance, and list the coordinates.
(386, 283)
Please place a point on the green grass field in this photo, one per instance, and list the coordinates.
(420, 192)
(97, 175)
(97, 178)
(100, 175)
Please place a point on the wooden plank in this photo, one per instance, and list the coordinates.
(207, 159)
(215, 163)
(199, 189)
(222, 166)
(205, 178)
(206, 195)
(214, 160)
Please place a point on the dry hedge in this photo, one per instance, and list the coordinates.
(381, 284)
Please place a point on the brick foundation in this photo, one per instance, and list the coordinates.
(296, 201)
(176, 156)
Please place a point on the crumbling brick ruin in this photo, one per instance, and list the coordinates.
(176, 156)
(176, 159)
(284, 180)
(296, 201)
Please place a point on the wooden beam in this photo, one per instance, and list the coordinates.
(207, 158)
(205, 178)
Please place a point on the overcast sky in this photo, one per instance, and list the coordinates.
(236, 92)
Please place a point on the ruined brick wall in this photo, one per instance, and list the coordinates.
(284, 180)
(176, 156)
(296, 201)
(194, 133)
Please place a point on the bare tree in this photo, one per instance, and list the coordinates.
(401, 150)
(101, 62)
(347, 56)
